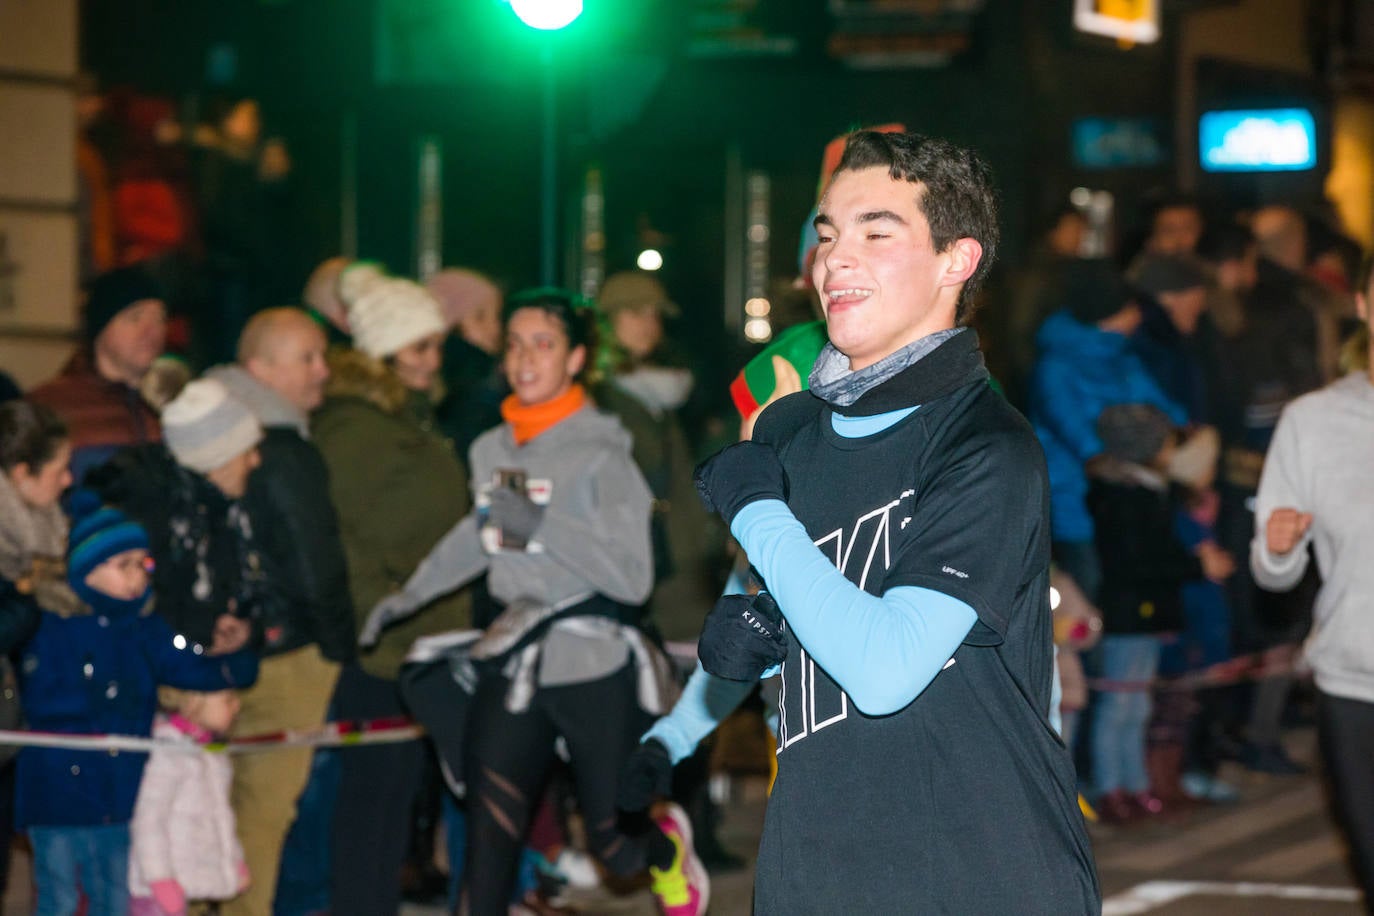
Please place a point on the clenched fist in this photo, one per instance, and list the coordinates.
(1285, 529)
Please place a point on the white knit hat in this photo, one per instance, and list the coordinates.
(206, 427)
(357, 278)
(391, 314)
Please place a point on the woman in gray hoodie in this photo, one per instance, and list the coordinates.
(1317, 489)
(561, 528)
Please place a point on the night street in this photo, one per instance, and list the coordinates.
(1272, 854)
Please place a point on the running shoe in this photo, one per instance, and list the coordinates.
(683, 888)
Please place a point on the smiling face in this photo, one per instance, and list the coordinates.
(417, 363)
(881, 282)
(540, 363)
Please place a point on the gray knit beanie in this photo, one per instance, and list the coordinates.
(205, 427)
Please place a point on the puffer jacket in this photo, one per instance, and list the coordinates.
(1081, 370)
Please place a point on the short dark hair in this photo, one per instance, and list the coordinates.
(959, 198)
(30, 434)
(575, 314)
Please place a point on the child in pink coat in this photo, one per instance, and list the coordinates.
(183, 843)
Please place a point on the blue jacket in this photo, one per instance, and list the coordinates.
(91, 674)
(1082, 369)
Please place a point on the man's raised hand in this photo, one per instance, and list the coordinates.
(1285, 529)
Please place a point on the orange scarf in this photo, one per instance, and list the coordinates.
(529, 420)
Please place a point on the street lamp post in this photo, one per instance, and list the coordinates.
(548, 16)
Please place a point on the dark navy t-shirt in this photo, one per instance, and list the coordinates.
(964, 801)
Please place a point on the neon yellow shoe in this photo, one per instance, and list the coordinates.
(683, 888)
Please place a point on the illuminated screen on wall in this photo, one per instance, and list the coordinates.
(1258, 140)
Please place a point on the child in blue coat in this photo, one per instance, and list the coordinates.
(91, 672)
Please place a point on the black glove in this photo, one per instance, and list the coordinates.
(742, 637)
(646, 777)
(515, 514)
(738, 475)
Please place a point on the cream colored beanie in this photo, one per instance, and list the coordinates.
(390, 314)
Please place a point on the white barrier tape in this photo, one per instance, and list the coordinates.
(331, 734)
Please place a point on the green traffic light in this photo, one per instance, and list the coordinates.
(548, 15)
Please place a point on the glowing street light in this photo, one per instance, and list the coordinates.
(547, 15)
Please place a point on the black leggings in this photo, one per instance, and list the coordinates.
(1345, 730)
(508, 761)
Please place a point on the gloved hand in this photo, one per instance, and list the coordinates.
(391, 608)
(742, 637)
(515, 514)
(738, 475)
(646, 777)
(169, 896)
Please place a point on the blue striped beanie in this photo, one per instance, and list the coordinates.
(98, 533)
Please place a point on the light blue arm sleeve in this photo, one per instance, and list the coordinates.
(882, 651)
(705, 701)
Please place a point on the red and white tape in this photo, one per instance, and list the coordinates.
(1254, 667)
(330, 734)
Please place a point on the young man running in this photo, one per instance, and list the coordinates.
(897, 514)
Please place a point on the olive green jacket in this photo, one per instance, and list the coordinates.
(398, 488)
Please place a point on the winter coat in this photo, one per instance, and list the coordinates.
(398, 488)
(102, 416)
(1144, 564)
(208, 561)
(1081, 370)
(183, 826)
(688, 541)
(296, 529)
(33, 543)
(99, 673)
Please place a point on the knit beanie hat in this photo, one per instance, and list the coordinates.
(390, 314)
(1167, 273)
(357, 278)
(458, 291)
(206, 427)
(98, 533)
(1134, 432)
(113, 292)
(1092, 289)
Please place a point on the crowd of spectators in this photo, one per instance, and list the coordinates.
(350, 483)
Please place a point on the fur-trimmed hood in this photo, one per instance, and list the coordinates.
(354, 374)
(33, 549)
